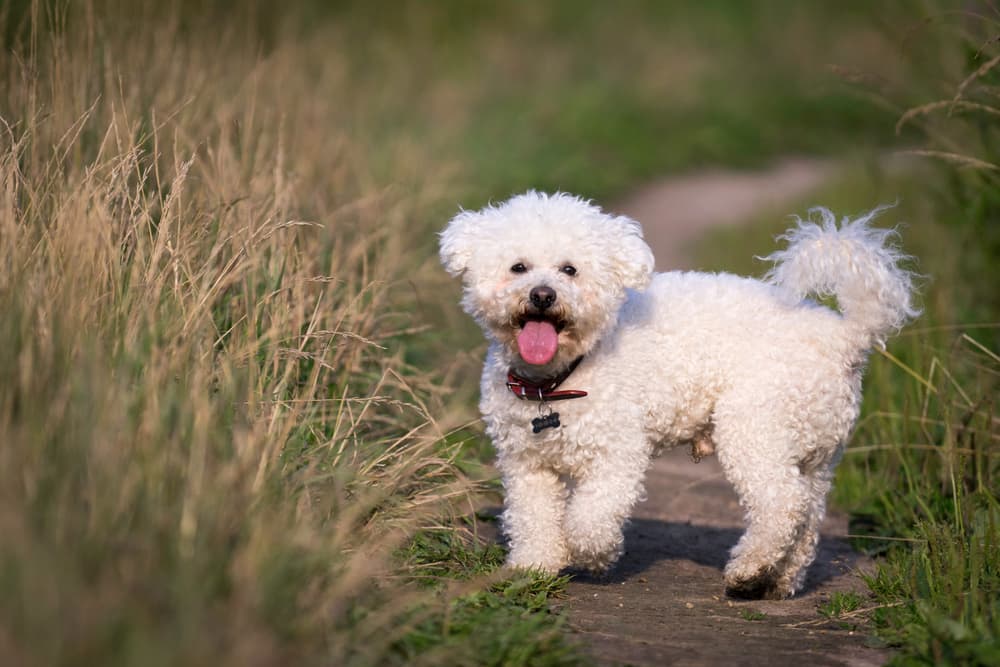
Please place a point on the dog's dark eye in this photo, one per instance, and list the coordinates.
(518, 268)
(569, 270)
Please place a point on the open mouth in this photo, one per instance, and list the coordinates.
(538, 340)
(557, 324)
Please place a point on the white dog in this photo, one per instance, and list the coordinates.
(638, 361)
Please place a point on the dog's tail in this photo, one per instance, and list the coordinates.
(855, 263)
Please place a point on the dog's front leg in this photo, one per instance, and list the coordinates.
(535, 503)
(601, 502)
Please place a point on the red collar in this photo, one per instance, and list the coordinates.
(545, 390)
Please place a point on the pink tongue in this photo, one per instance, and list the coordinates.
(537, 342)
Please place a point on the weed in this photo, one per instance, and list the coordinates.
(938, 473)
(752, 615)
(840, 603)
(510, 622)
(433, 555)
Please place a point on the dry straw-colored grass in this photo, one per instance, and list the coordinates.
(964, 144)
(211, 444)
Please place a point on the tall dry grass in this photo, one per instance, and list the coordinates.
(210, 442)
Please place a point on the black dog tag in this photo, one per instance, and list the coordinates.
(551, 420)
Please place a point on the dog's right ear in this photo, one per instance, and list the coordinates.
(457, 242)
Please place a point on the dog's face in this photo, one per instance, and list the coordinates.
(545, 275)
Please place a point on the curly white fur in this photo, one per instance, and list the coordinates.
(768, 379)
(854, 263)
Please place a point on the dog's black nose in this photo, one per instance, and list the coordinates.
(542, 297)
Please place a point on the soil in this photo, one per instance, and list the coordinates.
(663, 603)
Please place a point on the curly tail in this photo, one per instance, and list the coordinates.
(855, 263)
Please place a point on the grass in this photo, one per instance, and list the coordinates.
(841, 603)
(212, 445)
(235, 425)
(752, 615)
(925, 465)
(508, 620)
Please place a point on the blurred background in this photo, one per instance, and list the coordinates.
(237, 411)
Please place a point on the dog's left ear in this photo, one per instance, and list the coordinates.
(457, 242)
(633, 260)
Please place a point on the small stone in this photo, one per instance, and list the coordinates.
(689, 605)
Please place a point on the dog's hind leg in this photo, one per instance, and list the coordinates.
(804, 551)
(778, 500)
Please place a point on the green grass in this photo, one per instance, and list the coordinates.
(507, 623)
(841, 603)
(752, 615)
(926, 462)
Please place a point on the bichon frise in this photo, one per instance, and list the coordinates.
(595, 363)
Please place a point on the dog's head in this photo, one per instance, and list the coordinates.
(545, 275)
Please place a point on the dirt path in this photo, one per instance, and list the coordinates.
(663, 604)
(676, 212)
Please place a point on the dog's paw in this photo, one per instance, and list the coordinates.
(549, 563)
(596, 556)
(596, 564)
(764, 584)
